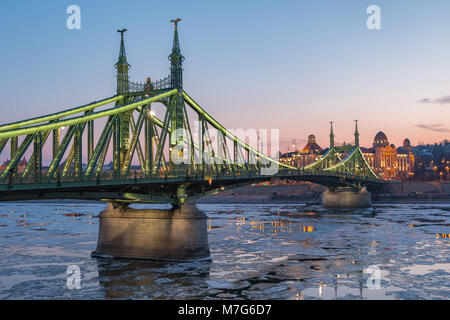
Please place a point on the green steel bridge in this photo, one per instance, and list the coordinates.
(172, 167)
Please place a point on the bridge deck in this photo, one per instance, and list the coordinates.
(162, 188)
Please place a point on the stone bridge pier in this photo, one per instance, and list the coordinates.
(177, 234)
(346, 199)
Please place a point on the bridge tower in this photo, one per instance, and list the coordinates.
(357, 160)
(331, 135)
(122, 66)
(356, 134)
(348, 197)
(121, 135)
(176, 102)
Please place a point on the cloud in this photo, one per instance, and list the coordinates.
(436, 127)
(441, 100)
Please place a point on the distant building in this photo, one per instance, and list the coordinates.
(310, 153)
(3, 165)
(387, 161)
(432, 161)
(20, 166)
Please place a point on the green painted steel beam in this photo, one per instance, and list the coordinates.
(19, 153)
(90, 139)
(69, 161)
(3, 143)
(78, 149)
(84, 118)
(61, 150)
(332, 155)
(356, 153)
(101, 160)
(162, 139)
(101, 145)
(148, 139)
(139, 151)
(30, 163)
(134, 140)
(56, 141)
(58, 115)
(37, 157)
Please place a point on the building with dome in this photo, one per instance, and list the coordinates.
(310, 153)
(380, 140)
(312, 147)
(387, 161)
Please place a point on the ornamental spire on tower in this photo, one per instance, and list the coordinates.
(176, 59)
(331, 135)
(122, 66)
(122, 54)
(356, 134)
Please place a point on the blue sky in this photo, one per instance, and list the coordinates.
(292, 65)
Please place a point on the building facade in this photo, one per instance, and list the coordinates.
(310, 153)
(389, 162)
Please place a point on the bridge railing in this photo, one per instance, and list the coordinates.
(181, 172)
(165, 83)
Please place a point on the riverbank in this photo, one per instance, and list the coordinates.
(406, 192)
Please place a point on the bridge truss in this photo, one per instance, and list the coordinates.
(175, 156)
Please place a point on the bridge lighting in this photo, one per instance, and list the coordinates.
(151, 113)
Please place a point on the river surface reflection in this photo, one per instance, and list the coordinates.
(259, 251)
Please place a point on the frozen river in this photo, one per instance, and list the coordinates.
(258, 252)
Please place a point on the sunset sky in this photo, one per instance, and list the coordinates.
(292, 65)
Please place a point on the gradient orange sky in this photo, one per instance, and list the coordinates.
(291, 65)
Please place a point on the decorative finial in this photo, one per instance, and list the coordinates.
(331, 135)
(122, 32)
(356, 133)
(175, 22)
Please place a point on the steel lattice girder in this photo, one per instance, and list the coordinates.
(84, 118)
(331, 158)
(58, 115)
(348, 164)
(228, 134)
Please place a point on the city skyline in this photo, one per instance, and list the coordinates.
(319, 63)
(206, 150)
(298, 144)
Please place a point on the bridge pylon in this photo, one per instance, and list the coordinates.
(121, 125)
(329, 159)
(176, 102)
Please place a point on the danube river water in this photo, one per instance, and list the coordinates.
(259, 251)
